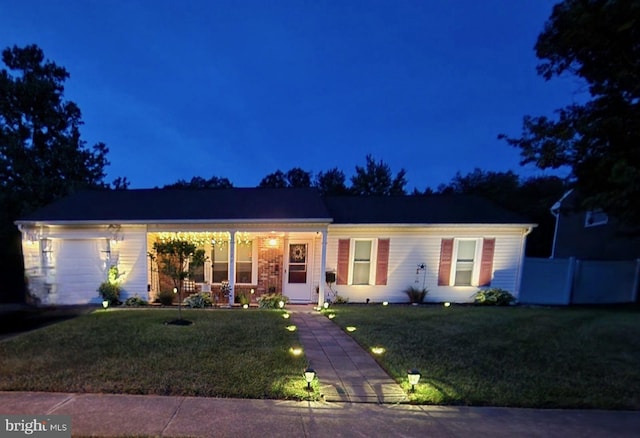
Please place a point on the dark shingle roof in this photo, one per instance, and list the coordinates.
(436, 209)
(243, 204)
(256, 204)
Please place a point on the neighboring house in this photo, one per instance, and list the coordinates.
(282, 240)
(590, 235)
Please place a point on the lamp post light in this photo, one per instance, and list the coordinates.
(309, 375)
(414, 378)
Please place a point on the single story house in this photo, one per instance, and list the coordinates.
(275, 240)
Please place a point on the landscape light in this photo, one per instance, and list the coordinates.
(291, 328)
(309, 375)
(377, 350)
(281, 304)
(385, 303)
(285, 315)
(296, 351)
(326, 304)
(447, 304)
(331, 315)
(105, 304)
(245, 306)
(414, 378)
(175, 290)
(351, 328)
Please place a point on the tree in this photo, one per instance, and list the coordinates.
(42, 155)
(377, 179)
(599, 141)
(197, 182)
(174, 259)
(331, 182)
(295, 177)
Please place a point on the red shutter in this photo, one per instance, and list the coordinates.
(343, 261)
(382, 262)
(486, 262)
(446, 254)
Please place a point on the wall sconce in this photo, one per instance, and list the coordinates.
(414, 377)
(175, 290)
(272, 242)
(309, 375)
(105, 304)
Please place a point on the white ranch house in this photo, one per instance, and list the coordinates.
(275, 240)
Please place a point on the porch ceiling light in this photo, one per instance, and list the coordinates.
(309, 375)
(414, 377)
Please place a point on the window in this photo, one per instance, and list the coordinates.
(593, 218)
(46, 248)
(465, 262)
(361, 261)
(220, 263)
(244, 264)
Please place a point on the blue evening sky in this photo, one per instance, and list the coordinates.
(239, 89)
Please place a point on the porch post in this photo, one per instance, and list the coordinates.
(323, 268)
(232, 266)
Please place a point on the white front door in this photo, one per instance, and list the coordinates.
(297, 278)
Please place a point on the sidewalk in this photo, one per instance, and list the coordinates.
(345, 371)
(108, 415)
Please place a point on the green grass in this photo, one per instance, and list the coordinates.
(225, 353)
(516, 356)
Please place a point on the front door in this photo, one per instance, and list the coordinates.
(297, 278)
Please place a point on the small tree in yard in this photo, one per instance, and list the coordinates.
(174, 257)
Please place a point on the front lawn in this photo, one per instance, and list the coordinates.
(516, 356)
(225, 353)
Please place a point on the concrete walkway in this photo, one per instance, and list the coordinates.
(109, 415)
(345, 371)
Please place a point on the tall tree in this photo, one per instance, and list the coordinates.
(197, 182)
(331, 182)
(295, 177)
(599, 42)
(377, 179)
(42, 156)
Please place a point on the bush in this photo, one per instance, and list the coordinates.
(199, 300)
(339, 299)
(271, 301)
(110, 292)
(242, 298)
(494, 297)
(165, 297)
(135, 302)
(416, 295)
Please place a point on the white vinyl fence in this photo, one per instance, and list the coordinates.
(572, 281)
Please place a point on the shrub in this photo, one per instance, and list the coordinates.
(242, 298)
(416, 295)
(339, 299)
(110, 292)
(271, 301)
(494, 297)
(165, 297)
(135, 302)
(199, 300)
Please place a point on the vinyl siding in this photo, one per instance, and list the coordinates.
(411, 248)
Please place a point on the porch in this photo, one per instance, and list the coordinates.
(243, 265)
